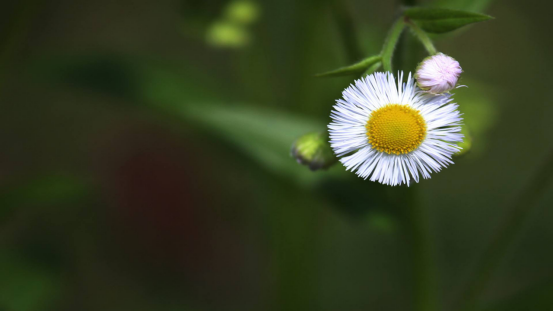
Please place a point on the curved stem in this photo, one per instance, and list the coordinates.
(372, 68)
(507, 233)
(390, 44)
(423, 38)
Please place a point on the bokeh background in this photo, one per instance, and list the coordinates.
(145, 160)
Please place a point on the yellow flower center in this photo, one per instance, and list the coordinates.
(396, 129)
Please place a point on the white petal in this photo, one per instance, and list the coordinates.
(349, 140)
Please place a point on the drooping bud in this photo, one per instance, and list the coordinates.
(438, 73)
(314, 151)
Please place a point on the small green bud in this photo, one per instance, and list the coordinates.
(243, 12)
(227, 35)
(313, 150)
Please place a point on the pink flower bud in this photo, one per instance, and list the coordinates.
(438, 73)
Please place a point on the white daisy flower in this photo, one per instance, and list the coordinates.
(390, 132)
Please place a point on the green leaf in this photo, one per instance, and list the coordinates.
(356, 68)
(480, 112)
(466, 144)
(468, 5)
(533, 298)
(48, 190)
(27, 285)
(265, 135)
(262, 134)
(438, 21)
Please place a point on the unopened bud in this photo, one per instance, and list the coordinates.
(243, 12)
(438, 73)
(314, 151)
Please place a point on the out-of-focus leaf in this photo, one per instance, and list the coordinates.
(102, 73)
(263, 134)
(356, 68)
(353, 196)
(534, 298)
(467, 141)
(46, 190)
(480, 113)
(227, 35)
(26, 286)
(468, 5)
(242, 12)
(437, 20)
(383, 222)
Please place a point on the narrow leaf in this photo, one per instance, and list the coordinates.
(356, 68)
(262, 134)
(49, 190)
(438, 21)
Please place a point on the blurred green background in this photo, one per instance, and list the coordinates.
(146, 163)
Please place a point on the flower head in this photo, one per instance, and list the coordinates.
(390, 132)
(438, 73)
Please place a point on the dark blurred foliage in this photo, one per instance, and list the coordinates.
(146, 159)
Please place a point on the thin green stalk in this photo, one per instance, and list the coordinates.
(390, 44)
(425, 296)
(423, 38)
(416, 241)
(372, 68)
(413, 213)
(507, 233)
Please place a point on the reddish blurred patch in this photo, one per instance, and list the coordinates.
(166, 208)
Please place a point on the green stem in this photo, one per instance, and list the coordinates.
(413, 213)
(372, 68)
(418, 246)
(423, 268)
(507, 233)
(423, 38)
(390, 44)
